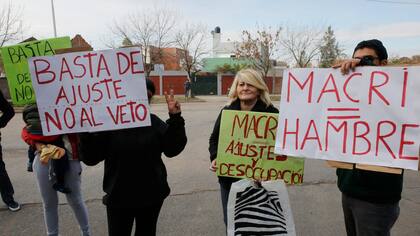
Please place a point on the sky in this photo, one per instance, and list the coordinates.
(396, 23)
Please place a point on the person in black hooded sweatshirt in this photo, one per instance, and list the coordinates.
(135, 177)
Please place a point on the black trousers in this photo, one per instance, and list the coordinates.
(6, 187)
(368, 219)
(120, 220)
(224, 194)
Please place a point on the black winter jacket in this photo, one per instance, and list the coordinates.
(7, 111)
(134, 174)
(260, 106)
(370, 186)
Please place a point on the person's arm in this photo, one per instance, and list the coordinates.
(92, 147)
(7, 111)
(174, 136)
(214, 138)
(31, 139)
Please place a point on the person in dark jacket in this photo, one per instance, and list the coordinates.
(135, 177)
(6, 187)
(370, 199)
(247, 93)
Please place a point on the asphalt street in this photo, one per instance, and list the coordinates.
(194, 207)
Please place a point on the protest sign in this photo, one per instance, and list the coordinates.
(16, 65)
(246, 149)
(259, 210)
(90, 91)
(370, 116)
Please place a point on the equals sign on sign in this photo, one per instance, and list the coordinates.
(343, 113)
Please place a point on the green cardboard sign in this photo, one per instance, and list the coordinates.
(246, 149)
(17, 69)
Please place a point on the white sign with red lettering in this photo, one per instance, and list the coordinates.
(90, 91)
(370, 116)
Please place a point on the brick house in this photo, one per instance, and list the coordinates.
(171, 58)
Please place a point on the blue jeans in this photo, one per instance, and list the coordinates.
(368, 219)
(50, 196)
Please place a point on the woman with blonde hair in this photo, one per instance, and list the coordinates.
(247, 93)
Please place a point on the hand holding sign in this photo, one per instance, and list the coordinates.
(173, 105)
(213, 166)
(347, 65)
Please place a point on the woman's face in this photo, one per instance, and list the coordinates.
(246, 92)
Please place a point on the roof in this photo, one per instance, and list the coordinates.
(211, 64)
(79, 42)
(29, 40)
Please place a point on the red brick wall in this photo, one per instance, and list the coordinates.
(174, 82)
(269, 83)
(177, 83)
(155, 80)
(277, 85)
(227, 81)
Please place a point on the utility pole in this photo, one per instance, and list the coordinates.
(53, 16)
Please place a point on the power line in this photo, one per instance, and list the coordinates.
(395, 2)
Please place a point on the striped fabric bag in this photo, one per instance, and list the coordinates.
(259, 209)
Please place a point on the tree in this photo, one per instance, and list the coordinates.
(11, 24)
(301, 46)
(259, 48)
(329, 49)
(192, 41)
(127, 42)
(228, 68)
(151, 29)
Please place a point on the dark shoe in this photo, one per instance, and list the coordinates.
(14, 206)
(29, 167)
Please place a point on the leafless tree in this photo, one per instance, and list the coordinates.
(191, 39)
(259, 48)
(301, 45)
(151, 29)
(11, 23)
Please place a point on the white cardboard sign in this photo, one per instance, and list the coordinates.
(90, 91)
(261, 210)
(370, 116)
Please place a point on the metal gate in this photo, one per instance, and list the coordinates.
(205, 85)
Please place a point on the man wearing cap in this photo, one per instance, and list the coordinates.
(370, 199)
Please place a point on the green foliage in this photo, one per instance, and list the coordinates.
(229, 68)
(127, 42)
(329, 49)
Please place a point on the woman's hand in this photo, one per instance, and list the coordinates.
(213, 166)
(173, 105)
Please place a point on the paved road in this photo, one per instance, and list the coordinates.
(193, 208)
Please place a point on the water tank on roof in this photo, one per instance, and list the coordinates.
(217, 30)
